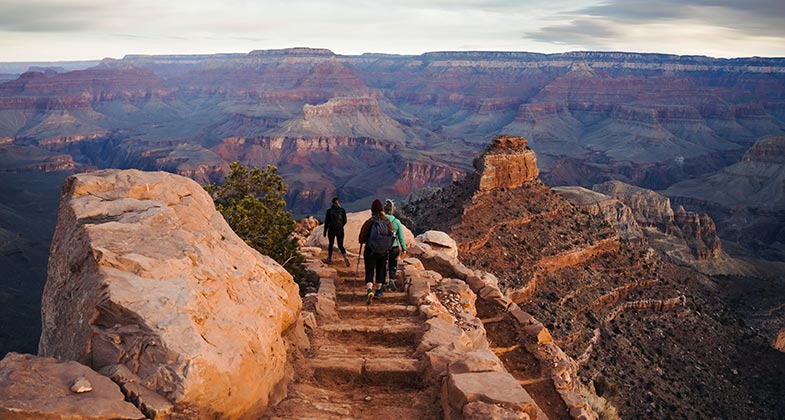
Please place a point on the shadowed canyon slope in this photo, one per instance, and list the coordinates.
(656, 339)
(747, 199)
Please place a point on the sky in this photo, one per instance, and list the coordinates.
(57, 30)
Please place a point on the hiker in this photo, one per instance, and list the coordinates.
(378, 234)
(334, 221)
(399, 244)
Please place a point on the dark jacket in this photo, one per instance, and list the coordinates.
(334, 219)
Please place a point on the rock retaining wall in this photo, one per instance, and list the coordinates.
(458, 341)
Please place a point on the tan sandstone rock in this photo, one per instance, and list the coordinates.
(779, 341)
(144, 272)
(483, 410)
(489, 387)
(481, 360)
(440, 243)
(33, 387)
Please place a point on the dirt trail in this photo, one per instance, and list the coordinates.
(361, 366)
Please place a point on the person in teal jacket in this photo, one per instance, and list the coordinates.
(398, 246)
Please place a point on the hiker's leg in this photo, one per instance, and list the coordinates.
(392, 262)
(380, 266)
(369, 265)
(330, 241)
(339, 237)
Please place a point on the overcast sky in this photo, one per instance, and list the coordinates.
(47, 30)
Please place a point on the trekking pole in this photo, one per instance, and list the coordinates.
(356, 273)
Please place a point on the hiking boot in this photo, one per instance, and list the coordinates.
(329, 260)
(346, 260)
(380, 292)
(369, 297)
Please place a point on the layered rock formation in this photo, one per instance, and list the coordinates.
(613, 305)
(597, 114)
(509, 163)
(618, 214)
(146, 276)
(318, 168)
(746, 199)
(654, 210)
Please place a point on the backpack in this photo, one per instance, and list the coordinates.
(381, 237)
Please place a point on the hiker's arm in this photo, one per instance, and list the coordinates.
(401, 237)
(326, 222)
(364, 232)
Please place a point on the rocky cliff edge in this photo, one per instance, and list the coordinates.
(148, 284)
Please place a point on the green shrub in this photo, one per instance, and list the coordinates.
(252, 202)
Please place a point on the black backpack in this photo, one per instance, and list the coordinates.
(381, 238)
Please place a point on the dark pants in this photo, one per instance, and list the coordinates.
(331, 237)
(392, 262)
(375, 266)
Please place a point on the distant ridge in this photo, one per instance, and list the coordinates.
(294, 51)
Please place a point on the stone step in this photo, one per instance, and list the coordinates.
(324, 347)
(376, 308)
(307, 402)
(344, 295)
(401, 372)
(394, 333)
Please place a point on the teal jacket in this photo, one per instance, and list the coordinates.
(399, 238)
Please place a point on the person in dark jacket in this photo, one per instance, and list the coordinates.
(334, 221)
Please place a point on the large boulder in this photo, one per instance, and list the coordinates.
(143, 271)
(354, 221)
(34, 387)
(439, 242)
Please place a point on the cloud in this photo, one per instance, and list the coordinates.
(47, 16)
(752, 17)
(585, 33)
(621, 24)
(59, 27)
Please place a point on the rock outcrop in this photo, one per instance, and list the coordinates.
(507, 163)
(34, 387)
(615, 307)
(145, 273)
(654, 210)
(619, 215)
(650, 208)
